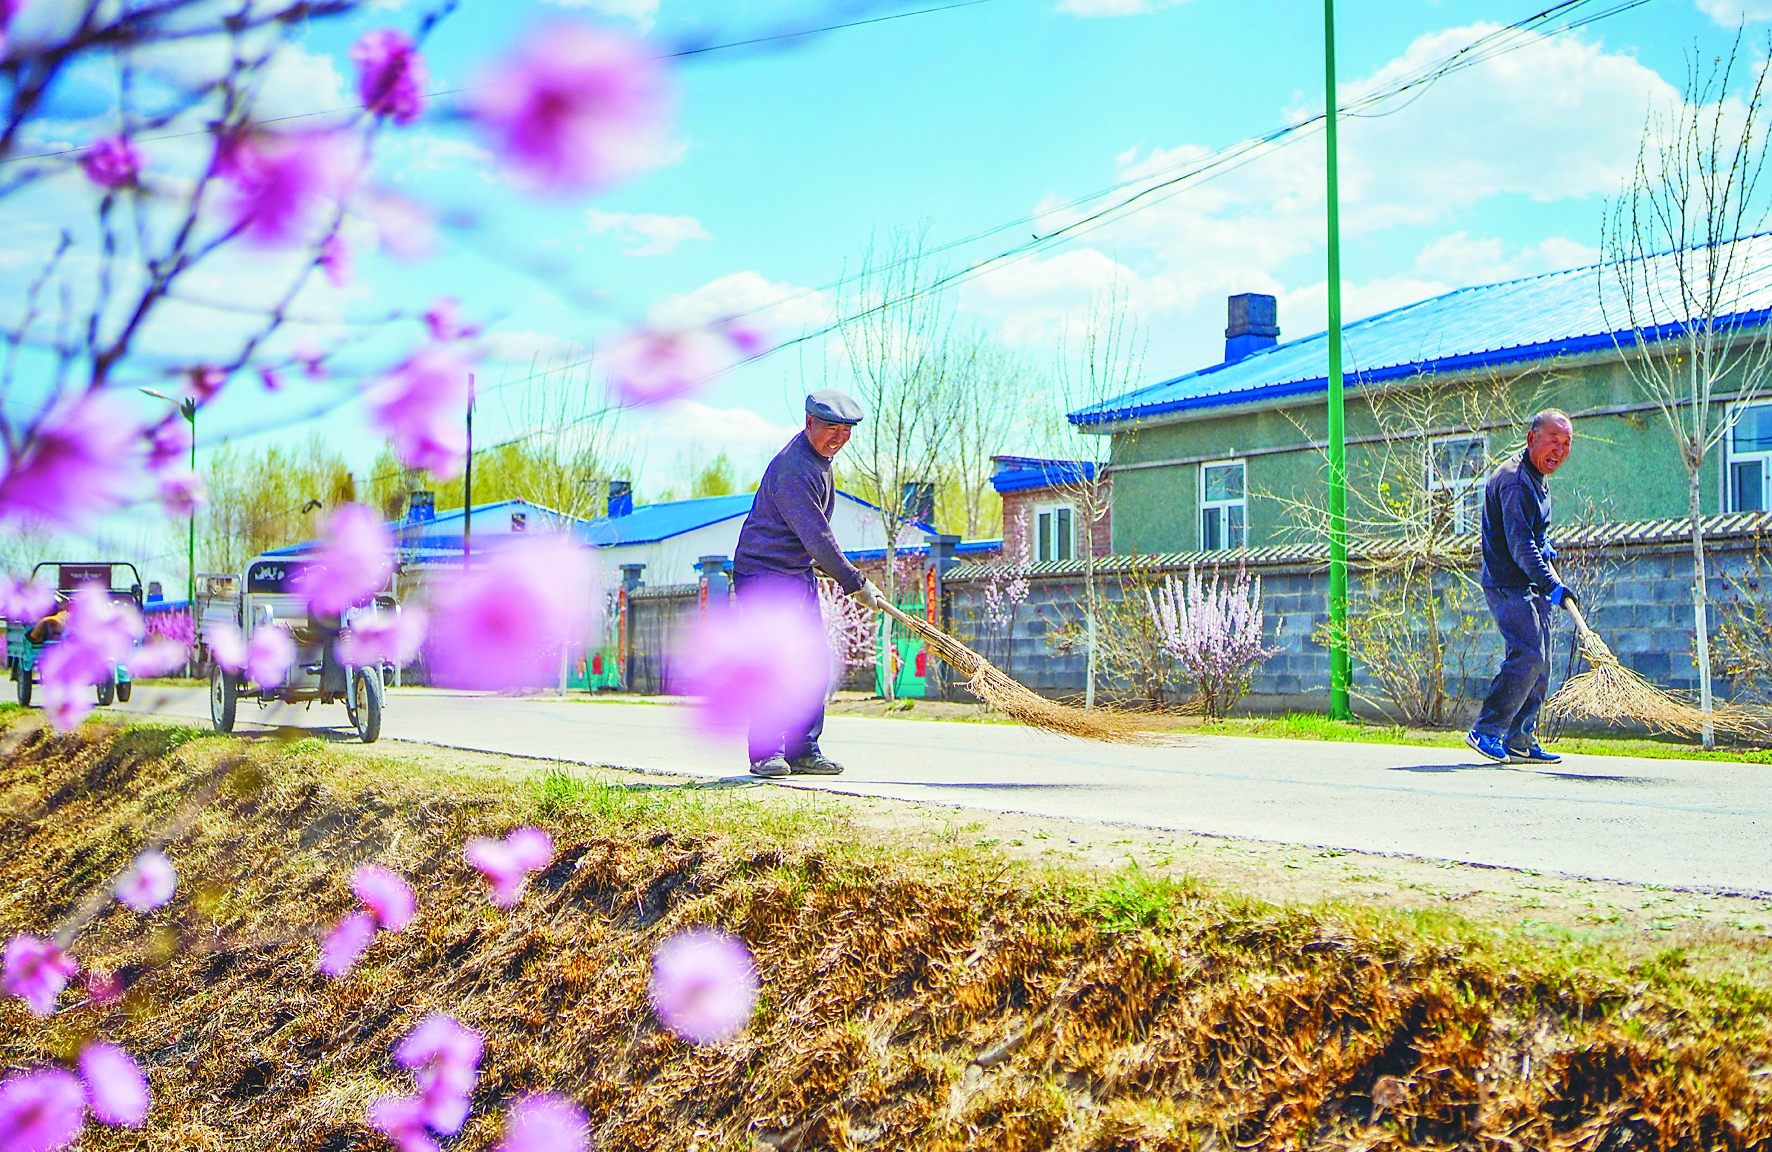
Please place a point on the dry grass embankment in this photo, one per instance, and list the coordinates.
(911, 1001)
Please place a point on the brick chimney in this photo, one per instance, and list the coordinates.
(1254, 325)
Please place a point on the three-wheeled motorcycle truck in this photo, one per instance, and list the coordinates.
(26, 640)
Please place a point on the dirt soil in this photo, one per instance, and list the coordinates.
(922, 990)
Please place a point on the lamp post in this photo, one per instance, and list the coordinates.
(467, 488)
(1340, 669)
(187, 408)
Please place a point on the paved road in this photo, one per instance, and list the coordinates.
(1685, 824)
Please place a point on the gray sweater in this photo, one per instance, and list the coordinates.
(1516, 516)
(789, 528)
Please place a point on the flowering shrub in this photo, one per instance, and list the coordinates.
(1213, 632)
(851, 630)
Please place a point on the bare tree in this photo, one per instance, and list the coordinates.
(1682, 278)
(993, 415)
(1104, 360)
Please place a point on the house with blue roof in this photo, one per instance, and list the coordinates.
(1219, 457)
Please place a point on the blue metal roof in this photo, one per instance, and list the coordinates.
(1021, 473)
(1538, 318)
(650, 523)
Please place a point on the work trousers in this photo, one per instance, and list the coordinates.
(1510, 711)
(801, 737)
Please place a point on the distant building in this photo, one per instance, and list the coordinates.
(1047, 501)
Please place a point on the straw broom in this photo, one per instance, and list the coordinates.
(985, 681)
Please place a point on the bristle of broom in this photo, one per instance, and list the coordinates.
(1610, 692)
(987, 682)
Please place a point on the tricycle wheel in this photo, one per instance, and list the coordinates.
(123, 691)
(106, 691)
(23, 676)
(223, 697)
(365, 704)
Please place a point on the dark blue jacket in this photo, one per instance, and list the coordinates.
(1516, 515)
(789, 528)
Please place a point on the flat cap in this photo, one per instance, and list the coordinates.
(833, 407)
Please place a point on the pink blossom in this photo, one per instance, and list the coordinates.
(444, 321)
(83, 460)
(546, 1123)
(352, 563)
(422, 406)
(341, 947)
(270, 378)
(335, 259)
(650, 366)
(103, 987)
(149, 883)
(577, 110)
(269, 655)
(502, 624)
(111, 162)
(402, 1120)
(391, 75)
(281, 181)
(405, 226)
(36, 971)
(444, 1058)
(41, 1111)
(749, 339)
(388, 897)
(26, 601)
(763, 663)
(507, 863)
(101, 634)
(312, 360)
(704, 985)
(226, 645)
(383, 637)
(157, 657)
(169, 443)
(116, 1089)
(182, 492)
(205, 384)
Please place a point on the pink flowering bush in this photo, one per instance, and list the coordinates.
(353, 562)
(149, 883)
(763, 662)
(1214, 634)
(704, 985)
(852, 630)
(35, 970)
(504, 623)
(506, 864)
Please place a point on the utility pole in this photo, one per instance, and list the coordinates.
(467, 488)
(187, 408)
(1340, 669)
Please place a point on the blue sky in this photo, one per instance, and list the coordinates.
(787, 160)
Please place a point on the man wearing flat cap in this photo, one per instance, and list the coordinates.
(788, 532)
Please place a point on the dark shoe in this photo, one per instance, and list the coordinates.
(1532, 755)
(1488, 747)
(776, 765)
(815, 764)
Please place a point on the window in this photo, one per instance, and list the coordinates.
(1455, 467)
(1222, 506)
(1055, 533)
(1749, 463)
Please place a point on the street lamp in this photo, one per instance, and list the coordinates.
(187, 408)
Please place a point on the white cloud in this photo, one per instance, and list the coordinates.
(1461, 259)
(544, 348)
(1731, 13)
(641, 12)
(1114, 7)
(648, 234)
(783, 309)
(676, 438)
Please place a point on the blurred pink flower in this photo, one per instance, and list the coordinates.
(352, 563)
(149, 883)
(182, 492)
(749, 339)
(444, 1058)
(507, 863)
(405, 227)
(402, 1120)
(649, 366)
(101, 634)
(502, 624)
(388, 897)
(704, 985)
(577, 109)
(335, 260)
(444, 321)
(83, 459)
(764, 662)
(226, 645)
(312, 360)
(422, 406)
(205, 384)
(281, 181)
(25, 600)
(391, 75)
(41, 1111)
(111, 162)
(103, 987)
(271, 378)
(160, 655)
(546, 1123)
(36, 971)
(169, 443)
(116, 1089)
(269, 655)
(381, 637)
(341, 947)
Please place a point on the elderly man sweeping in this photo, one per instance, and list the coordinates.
(1521, 587)
(787, 532)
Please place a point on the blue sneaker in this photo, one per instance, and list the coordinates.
(1488, 747)
(1532, 755)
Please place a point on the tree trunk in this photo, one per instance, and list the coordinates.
(1089, 608)
(887, 647)
(1700, 622)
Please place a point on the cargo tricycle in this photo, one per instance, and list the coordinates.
(26, 640)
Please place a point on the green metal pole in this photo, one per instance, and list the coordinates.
(190, 413)
(1339, 665)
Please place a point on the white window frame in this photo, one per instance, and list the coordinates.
(1049, 545)
(1230, 538)
(1467, 500)
(1731, 458)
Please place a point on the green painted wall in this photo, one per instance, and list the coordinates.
(1623, 467)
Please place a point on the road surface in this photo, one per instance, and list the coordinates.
(1681, 824)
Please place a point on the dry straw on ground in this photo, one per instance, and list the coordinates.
(990, 684)
(909, 1003)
